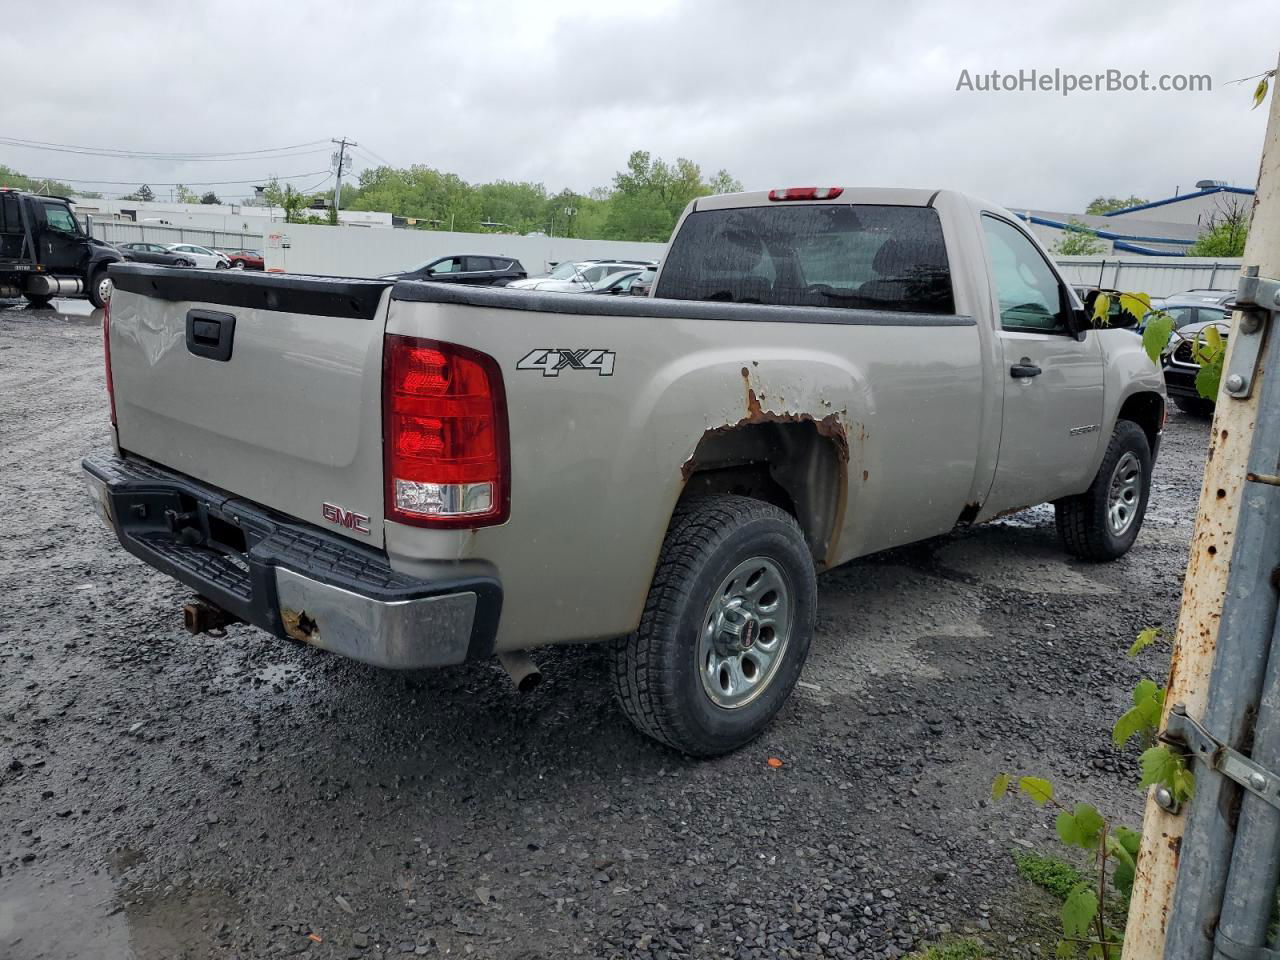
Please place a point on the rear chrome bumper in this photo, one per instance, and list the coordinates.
(290, 578)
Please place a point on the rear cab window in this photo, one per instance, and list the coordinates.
(856, 256)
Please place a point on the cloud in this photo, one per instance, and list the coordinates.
(562, 92)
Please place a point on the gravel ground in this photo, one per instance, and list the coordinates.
(166, 796)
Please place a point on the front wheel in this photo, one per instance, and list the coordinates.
(725, 629)
(1102, 523)
(222, 265)
(100, 288)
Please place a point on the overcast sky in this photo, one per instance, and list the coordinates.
(561, 92)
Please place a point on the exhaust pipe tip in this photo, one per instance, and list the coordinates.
(524, 673)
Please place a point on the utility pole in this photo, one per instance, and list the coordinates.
(342, 156)
(1223, 648)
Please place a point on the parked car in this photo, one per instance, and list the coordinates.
(1178, 364)
(473, 471)
(578, 276)
(619, 284)
(140, 252)
(476, 269)
(1202, 296)
(201, 256)
(46, 253)
(643, 285)
(245, 259)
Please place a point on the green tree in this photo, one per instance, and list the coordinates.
(184, 195)
(144, 194)
(1101, 205)
(1228, 230)
(1078, 240)
(210, 197)
(723, 183)
(288, 199)
(649, 196)
(12, 178)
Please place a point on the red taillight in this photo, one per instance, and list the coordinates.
(445, 442)
(106, 355)
(806, 193)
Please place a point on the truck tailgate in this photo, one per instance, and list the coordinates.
(269, 387)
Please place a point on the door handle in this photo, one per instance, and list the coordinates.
(210, 334)
(1023, 371)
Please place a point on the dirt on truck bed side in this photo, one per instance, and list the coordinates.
(164, 796)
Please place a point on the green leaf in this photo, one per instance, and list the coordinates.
(1080, 827)
(1000, 786)
(1102, 309)
(1160, 765)
(1130, 840)
(1137, 305)
(1260, 92)
(1065, 950)
(1155, 335)
(1145, 639)
(1143, 716)
(1039, 790)
(1078, 911)
(1209, 378)
(1129, 725)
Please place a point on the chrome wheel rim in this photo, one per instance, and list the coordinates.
(1124, 492)
(105, 286)
(745, 633)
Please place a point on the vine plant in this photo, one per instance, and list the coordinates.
(1114, 846)
(1208, 347)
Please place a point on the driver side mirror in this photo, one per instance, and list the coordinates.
(88, 225)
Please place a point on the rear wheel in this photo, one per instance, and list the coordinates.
(1102, 523)
(100, 288)
(725, 629)
(1194, 406)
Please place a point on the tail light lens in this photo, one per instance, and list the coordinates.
(106, 356)
(445, 435)
(806, 193)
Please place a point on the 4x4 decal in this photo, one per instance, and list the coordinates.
(551, 360)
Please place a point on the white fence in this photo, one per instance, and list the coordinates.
(115, 231)
(1156, 276)
(348, 252)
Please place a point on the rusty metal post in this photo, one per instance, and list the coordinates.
(1215, 544)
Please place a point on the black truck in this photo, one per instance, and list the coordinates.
(45, 253)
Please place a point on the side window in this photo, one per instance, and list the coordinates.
(478, 263)
(452, 265)
(1181, 316)
(1028, 291)
(59, 218)
(1207, 315)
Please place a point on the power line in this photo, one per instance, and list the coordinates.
(375, 157)
(184, 183)
(226, 156)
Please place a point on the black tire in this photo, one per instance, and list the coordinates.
(1084, 520)
(222, 266)
(656, 671)
(1194, 406)
(94, 293)
(185, 263)
(37, 301)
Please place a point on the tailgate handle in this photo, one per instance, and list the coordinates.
(209, 334)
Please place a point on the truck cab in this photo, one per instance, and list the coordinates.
(46, 253)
